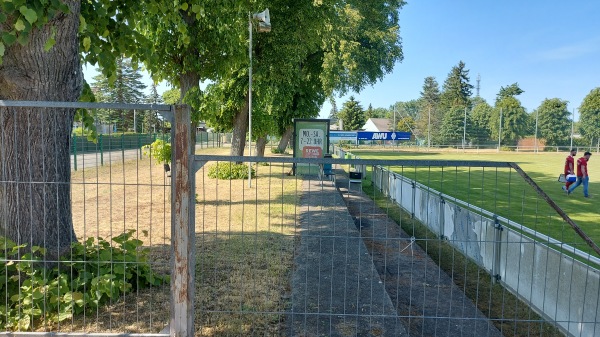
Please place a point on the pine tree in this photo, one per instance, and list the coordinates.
(450, 133)
(429, 119)
(352, 115)
(333, 113)
(370, 113)
(457, 88)
(150, 121)
(125, 86)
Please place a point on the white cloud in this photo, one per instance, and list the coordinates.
(572, 51)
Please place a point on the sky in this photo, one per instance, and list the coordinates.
(551, 48)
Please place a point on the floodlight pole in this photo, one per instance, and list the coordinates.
(263, 18)
(465, 130)
(429, 129)
(572, 128)
(500, 131)
(536, 130)
(250, 99)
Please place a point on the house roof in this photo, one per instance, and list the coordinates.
(382, 124)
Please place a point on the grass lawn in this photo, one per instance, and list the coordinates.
(244, 245)
(505, 193)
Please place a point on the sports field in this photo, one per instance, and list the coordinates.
(505, 193)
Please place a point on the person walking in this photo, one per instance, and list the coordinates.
(569, 168)
(583, 176)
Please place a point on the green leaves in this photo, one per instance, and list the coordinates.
(227, 171)
(160, 150)
(20, 25)
(23, 16)
(29, 14)
(92, 274)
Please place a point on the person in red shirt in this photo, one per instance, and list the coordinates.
(583, 176)
(569, 168)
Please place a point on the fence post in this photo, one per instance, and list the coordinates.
(123, 145)
(182, 229)
(101, 150)
(497, 249)
(139, 145)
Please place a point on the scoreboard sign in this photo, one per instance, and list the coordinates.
(311, 140)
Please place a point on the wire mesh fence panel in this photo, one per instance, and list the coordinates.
(418, 247)
(373, 247)
(83, 250)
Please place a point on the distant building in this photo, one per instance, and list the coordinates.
(378, 125)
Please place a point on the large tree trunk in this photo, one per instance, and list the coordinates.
(188, 81)
(285, 139)
(261, 143)
(240, 127)
(35, 169)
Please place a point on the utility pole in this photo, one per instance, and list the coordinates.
(429, 129)
(536, 130)
(572, 128)
(465, 129)
(500, 130)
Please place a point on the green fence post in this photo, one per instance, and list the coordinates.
(123, 145)
(139, 145)
(101, 150)
(74, 152)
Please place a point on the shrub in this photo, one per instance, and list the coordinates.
(277, 151)
(160, 150)
(229, 170)
(91, 275)
(78, 131)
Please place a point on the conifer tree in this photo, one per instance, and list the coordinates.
(352, 115)
(125, 86)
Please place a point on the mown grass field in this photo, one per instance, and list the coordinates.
(244, 245)
(505, 192)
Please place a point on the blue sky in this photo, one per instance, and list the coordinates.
(550, 48)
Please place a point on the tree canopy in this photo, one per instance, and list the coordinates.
(590, 116)
(456, 89)
(352, 115)
(509, 121)
(553, 123)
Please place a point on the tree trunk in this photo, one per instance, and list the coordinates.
(240, 127)
(285, 139)
(35, 168)
(188, 81)
(261, 143)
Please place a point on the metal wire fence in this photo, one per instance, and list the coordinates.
(414, 248)
(85, 250)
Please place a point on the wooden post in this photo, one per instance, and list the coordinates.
(182, 228)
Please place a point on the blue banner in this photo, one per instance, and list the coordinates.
(342, 135)
(369, 135)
